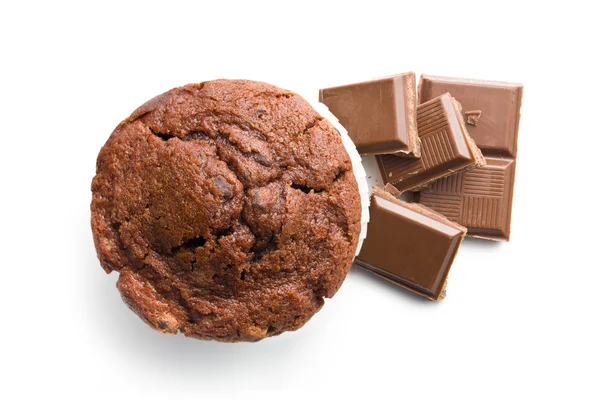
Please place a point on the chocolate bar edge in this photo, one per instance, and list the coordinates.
(406, 143)
(423, 87)
(389, 193)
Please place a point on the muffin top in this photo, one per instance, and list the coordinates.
(229, 209)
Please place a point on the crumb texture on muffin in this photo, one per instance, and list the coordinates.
(229, 209)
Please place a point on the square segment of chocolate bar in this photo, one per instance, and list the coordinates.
(480, 199)
(409, 244)
(496, 106)
(380, 115)
(446, 147)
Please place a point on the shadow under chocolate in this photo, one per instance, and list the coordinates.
(392, 288)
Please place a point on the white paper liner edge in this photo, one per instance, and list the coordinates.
(359, 171)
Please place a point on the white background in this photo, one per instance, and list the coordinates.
(520, 319)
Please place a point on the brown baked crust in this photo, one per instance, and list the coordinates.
(229, 209)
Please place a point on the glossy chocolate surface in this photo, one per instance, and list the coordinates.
(409, 244)
(445, 147)
(496, 104)
(380, 115)
(480, 199)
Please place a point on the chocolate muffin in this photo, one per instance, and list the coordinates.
(229, 209)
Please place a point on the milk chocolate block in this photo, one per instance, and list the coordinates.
(409, 244)
(446, 147)
(480, 199)
(380, 115)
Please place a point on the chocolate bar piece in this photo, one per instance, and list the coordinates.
(380, 115)
(446, 147)
(409, 244)
(480, 199)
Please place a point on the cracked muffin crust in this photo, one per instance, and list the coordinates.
(229, 209)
